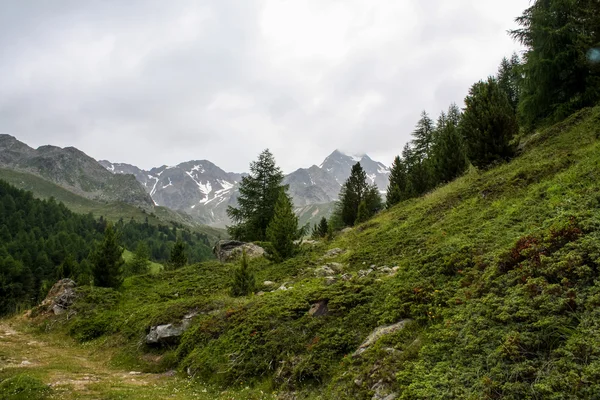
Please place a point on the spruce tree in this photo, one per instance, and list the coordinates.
(178, 257)
(509, 79)
(244, 282)
(140, 263)
(259, 193)
(423, 136)
(355, 190)
(488, 124)
(396, 190)
(449, 159)
(108, 260)
(283, 228)
(558, 78)
(323, 227)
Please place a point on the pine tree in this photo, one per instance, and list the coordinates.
(259, 193)
(67, 269)
(244, 282)
(108, 260)
(509, 79)
(558, 78)
(178, 257)
(355, 190)
(396, 190)
(323, 227)
(449, 158)
(140, 263)
(423, 136)
(283, 228)
(488, 124)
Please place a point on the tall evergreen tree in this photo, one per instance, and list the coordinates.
(396, 190)
(323, 227)
(259, 193)
(488, 124)
(509, 79)
(178, 257)
(108, 260)
(283, 228)
(355, 190)
(558, 76)
(448, 155)
(423, 136)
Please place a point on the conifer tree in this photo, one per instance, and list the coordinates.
(558, 78)
(244, 282)
(178, 257)
(509, 79)
(140, 263)
(259, 193)
(355, 190)
(283, 228)
(488, 124)
(423, 136)
(396, 190)
(449, 158)
(108, 260)
(323, 227)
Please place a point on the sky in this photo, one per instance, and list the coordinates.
(151, 82)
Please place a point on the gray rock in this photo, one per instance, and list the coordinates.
(364, 272)
(231, 250)
(268, 283)
(60, 297)
(347, 277)
(169, 333)
(379, 333)
(319, 309)
(385, 270)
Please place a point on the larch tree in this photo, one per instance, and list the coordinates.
(259, 193)
(488, 124)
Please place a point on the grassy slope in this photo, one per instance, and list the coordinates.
(112, 211)
(496, 270)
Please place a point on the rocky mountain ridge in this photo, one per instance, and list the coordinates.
(203, 190)
(73, 170)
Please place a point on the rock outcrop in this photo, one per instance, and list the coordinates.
(231, 250)
(169, 333)
(380, 332)
(60, 297)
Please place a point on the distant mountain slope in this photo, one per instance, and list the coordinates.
(203, 190)
(198, 188)
(73, 170)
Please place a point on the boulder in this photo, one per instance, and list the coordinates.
(231, 250)
(319, 309)
(60, 297)
(324, 271)
(379, 333)
(169, 333)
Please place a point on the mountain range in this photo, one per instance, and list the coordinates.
(203, 190)
(197, 190)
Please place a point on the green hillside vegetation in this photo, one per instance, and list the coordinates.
(42, 241)
(496, 272)
(112, 211)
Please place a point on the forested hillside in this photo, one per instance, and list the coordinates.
(42, 241)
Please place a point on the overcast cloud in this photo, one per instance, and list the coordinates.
(162, 82)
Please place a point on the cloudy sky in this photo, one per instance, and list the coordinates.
(161, 82)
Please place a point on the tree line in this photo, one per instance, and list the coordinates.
(42, 241)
